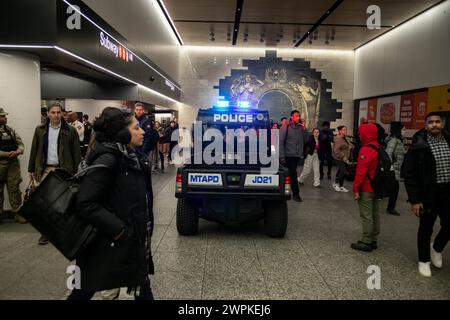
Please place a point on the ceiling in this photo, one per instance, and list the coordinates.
(282, 23)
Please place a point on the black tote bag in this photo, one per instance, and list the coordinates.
(51, 210)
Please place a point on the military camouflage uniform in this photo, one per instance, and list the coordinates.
(10, 167)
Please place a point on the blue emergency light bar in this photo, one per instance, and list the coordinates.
(223, 104)
(243, 104)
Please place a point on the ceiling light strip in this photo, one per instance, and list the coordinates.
(100, 28)
(13, 46)
(170, 20)
(113, 73)
(319, 22)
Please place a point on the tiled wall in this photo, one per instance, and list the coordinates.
(202, 67)
(20, 96)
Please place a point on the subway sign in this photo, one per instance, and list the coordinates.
(117, 50)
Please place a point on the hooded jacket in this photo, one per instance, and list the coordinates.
(367, 159)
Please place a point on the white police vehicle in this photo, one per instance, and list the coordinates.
(231, 193)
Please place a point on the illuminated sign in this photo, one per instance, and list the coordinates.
(170, 85)
(119, 51)
(233, 118)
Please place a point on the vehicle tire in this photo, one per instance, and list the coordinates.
(187, 218)
(276, 218)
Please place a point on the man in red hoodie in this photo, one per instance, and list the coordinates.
(364, 194)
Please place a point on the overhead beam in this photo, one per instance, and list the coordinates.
(237, 20)
(319, 22)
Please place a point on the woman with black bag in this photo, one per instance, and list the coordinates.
(118, 202)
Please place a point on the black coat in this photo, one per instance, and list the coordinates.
(311, 146)
(325, 139)
(151, 136)
(111, 200)
(419, 170)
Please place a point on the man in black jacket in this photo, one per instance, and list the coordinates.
(427, 179)
(151, 136)
(325, 152)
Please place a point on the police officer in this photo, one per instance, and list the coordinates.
(11, 147)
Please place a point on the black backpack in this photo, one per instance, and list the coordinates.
(384, 182)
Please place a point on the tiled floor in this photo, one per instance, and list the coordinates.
(314, 261)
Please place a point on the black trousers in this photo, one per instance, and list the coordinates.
(340, 174)
(441, 208)
(172, 145)
(144, 294)
(328, 159)
(161, 157)
(393, 198)
(292, 164)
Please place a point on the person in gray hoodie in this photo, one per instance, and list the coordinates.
(292, 145)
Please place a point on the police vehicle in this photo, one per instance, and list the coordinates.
(231, 193)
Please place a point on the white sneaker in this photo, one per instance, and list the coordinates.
(336, 187)
(344, 190)
(436, 258)
(425, 269)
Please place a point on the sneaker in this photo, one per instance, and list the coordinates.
(361, 246)
(425, 269)
(393, 212)
(42, 241)
(436, 258)
(318, 186)
(374, 245)
(344, 190)
(18, 218)
(297, 199)
(336, 187)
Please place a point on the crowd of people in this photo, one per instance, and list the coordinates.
(424, 169)
(117, 199)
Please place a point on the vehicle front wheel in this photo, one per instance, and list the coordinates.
(187, 218)
(276, 218)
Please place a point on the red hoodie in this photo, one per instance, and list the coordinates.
(367, 159)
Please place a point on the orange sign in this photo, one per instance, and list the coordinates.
(372, 111)
(420, 109)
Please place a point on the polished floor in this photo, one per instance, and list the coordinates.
(314, 261)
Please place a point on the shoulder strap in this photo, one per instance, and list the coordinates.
(285, 137)
(395, 148)
(373, 147)
(85, 170)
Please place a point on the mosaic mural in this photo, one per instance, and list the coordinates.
(280, 87)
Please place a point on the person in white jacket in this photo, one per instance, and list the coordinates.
(312, 161)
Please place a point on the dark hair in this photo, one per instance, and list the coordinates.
(56, 104)
(85, 116)
(433, 114)
(315, 130)
(284, 118)
(326, 123)
(396, 129)
(294, 112)
(112, 125)
(341, 127)
(276, 123)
